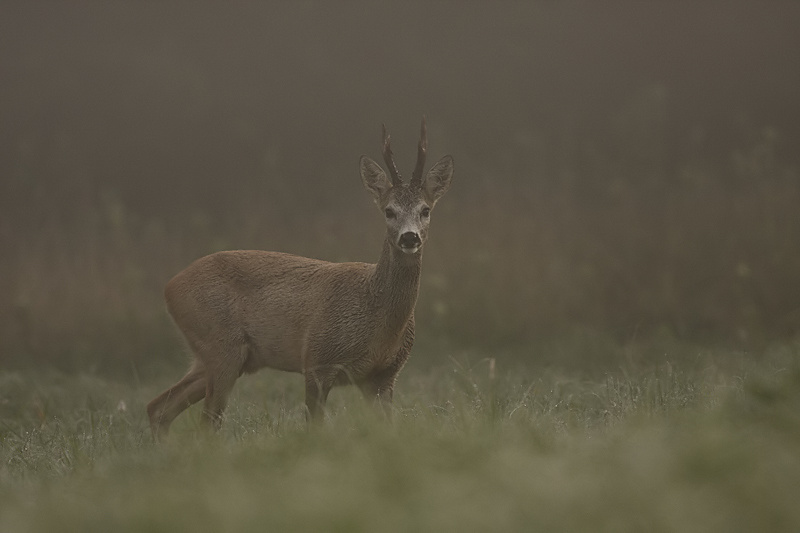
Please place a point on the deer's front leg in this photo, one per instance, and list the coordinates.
(380, 394)
(379, 387)
(378, 390)
(318, 385)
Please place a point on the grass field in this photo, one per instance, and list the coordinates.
(621, 239)
(712, 445)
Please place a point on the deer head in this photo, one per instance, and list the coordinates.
(407, 206)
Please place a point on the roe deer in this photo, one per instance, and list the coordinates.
(336, 323)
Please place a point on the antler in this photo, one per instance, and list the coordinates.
(389, 159)
(422, 150)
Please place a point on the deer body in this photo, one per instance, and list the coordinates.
(336, 323)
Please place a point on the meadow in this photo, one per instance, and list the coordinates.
(709, 443)
(621, 240)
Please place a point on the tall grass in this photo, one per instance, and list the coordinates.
(669, 449)
(703, 250)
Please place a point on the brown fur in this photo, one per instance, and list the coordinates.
(336, 323)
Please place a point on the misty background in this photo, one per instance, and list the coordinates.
(624, 170)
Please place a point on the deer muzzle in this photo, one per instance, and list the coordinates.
(409, 242)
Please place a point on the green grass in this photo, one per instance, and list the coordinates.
(670, 449)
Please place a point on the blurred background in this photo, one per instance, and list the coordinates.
(625, 171)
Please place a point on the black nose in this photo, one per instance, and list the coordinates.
(409, 239)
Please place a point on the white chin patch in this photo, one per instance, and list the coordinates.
(410, 250)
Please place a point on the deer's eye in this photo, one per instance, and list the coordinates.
(390, 213)
(426, 212)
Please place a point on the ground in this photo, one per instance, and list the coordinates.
(689, 447)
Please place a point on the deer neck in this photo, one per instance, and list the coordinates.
(395, 285)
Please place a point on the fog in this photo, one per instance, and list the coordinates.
(626, 168)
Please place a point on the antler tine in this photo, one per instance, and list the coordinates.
(389, 158)
(422, 151)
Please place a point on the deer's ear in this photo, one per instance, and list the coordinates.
(437, 181)
(374, 178)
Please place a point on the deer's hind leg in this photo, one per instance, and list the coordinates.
(173, 401)
(222, 375)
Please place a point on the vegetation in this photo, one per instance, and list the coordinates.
(621, 240)
(708, 448)
(611, 176)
